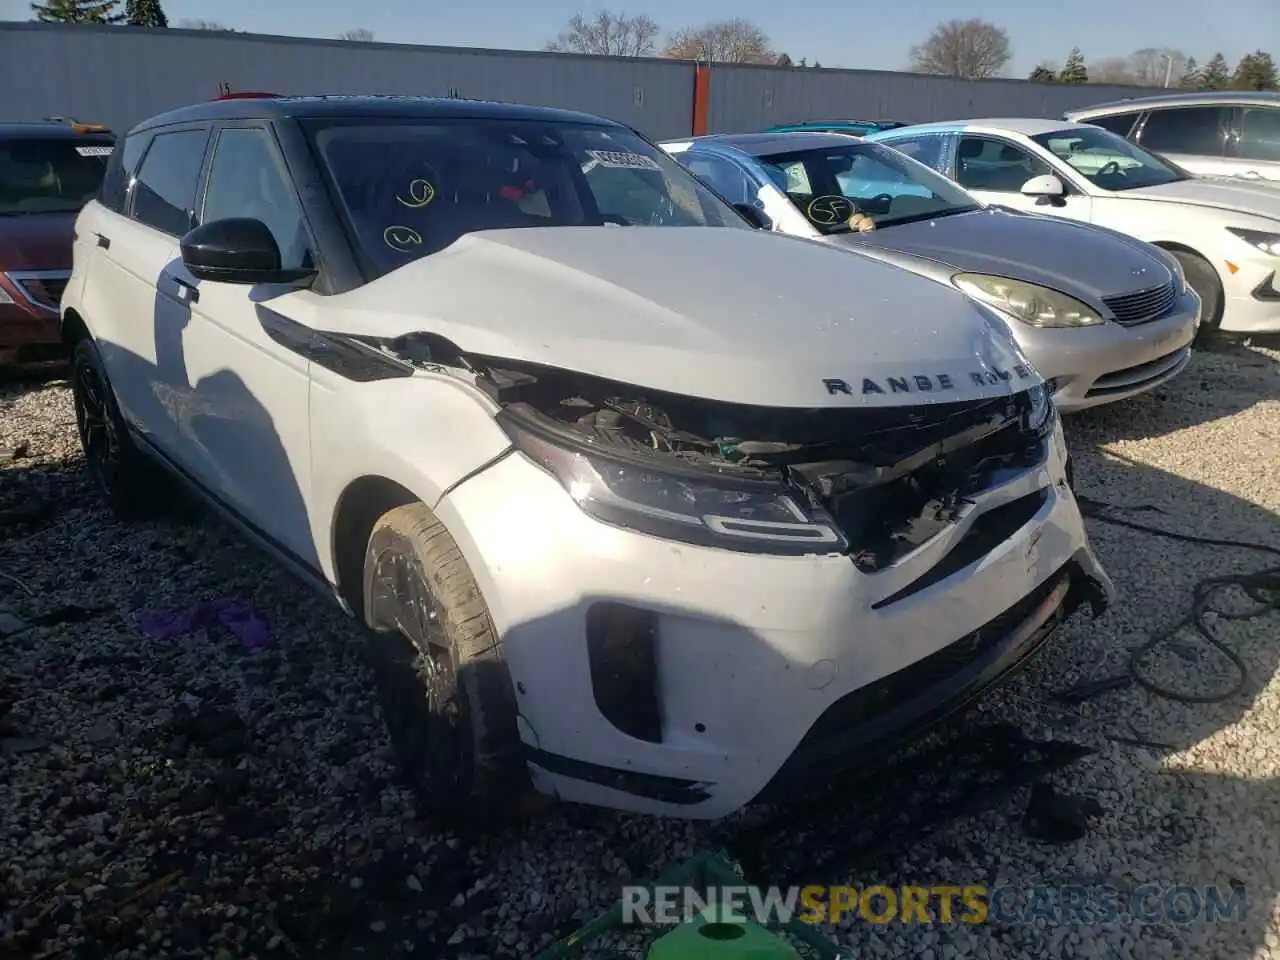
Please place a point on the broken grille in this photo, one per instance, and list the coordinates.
(1144, 306)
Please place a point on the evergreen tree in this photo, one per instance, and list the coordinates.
(1042, 74)
(145, 13)
(1190, 76)
(1256, 71)
(1074, 70)
(77, 11)
(783, 61)
(816, 64)
(1215, 75)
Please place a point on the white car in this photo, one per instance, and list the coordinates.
(1212, 133)
(659, 517)
(1226, 233)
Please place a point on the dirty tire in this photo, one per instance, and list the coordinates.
(133, 486)
(446, 692)
(1203, 279)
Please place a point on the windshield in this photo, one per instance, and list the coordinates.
(411, 188)
(1109, 161)
(830, 185)
(50, 174)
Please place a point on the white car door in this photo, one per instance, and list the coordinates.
(245, 419)
(1255, 147)
(994, 169)
(136, 318)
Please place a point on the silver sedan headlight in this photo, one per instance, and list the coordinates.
(1034, 305)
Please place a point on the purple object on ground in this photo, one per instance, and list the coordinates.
(249, 628)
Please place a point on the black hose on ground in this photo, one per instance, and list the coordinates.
(1262, 587)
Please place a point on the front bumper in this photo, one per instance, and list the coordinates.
(1110, 362)
(745, 660)
(1253, 298)
(30, 331)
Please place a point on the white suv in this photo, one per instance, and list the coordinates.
(657, 518)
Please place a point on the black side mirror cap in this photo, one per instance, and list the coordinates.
(754, 215)
(236, 250)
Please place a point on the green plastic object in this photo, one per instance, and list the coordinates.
(702, 872)
(720, 935)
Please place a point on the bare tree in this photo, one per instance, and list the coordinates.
(972, 49)
(609, 34)
(358, 35)
(1112, 70)
(202, 25)
(1151, 65)
(724, 41)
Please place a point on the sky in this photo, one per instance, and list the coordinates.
(871, 34)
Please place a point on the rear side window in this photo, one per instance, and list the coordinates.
(1118, 123)
(164, 196)
(1260, 133)
(925, 149)
(50, 174)
(120, 169)
(1185, 130)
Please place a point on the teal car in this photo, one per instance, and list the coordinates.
(856, 128)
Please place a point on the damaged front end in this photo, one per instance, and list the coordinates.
(872, 483)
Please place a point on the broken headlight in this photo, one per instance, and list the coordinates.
(1034, 305)
(1039, 411)
(680, 503)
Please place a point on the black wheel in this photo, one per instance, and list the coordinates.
(446, 693)
(1203, 279)
(132, 486)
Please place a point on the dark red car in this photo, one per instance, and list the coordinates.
(48, 171)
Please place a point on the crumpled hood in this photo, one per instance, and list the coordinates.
(734, 315)
(1081, 261)
(1257, 199)
(38, 241)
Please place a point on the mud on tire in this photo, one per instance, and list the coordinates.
(446, 692)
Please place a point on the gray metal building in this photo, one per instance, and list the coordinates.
(120, 75)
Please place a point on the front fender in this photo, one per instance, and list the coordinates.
(426, 432)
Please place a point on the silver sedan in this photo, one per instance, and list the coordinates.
(1102, 315)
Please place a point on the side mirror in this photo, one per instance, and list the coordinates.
(754, 215)
(1046, 189)
(236, 250)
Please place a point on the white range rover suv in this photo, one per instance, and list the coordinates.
(657, 519)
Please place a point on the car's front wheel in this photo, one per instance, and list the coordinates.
(446, 693)
(132, 486)
(1203, 279)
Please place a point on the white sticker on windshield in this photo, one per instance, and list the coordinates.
(103, 151)
(620, 159)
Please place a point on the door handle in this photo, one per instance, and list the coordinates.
(104, 242)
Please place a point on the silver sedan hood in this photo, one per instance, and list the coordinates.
(1082, 261)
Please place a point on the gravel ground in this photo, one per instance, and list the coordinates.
(189, 797)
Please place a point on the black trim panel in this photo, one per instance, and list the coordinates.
(346, 356)
(651, 786)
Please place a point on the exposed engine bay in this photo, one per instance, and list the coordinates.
(891, 478)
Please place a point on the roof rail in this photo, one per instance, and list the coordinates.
(248, 95)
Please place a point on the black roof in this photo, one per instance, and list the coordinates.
(392, 107)
(51, 129)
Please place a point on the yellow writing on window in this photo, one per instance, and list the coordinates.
(420, 194)
(400, 238)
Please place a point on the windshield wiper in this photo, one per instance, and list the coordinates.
(935, 215)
